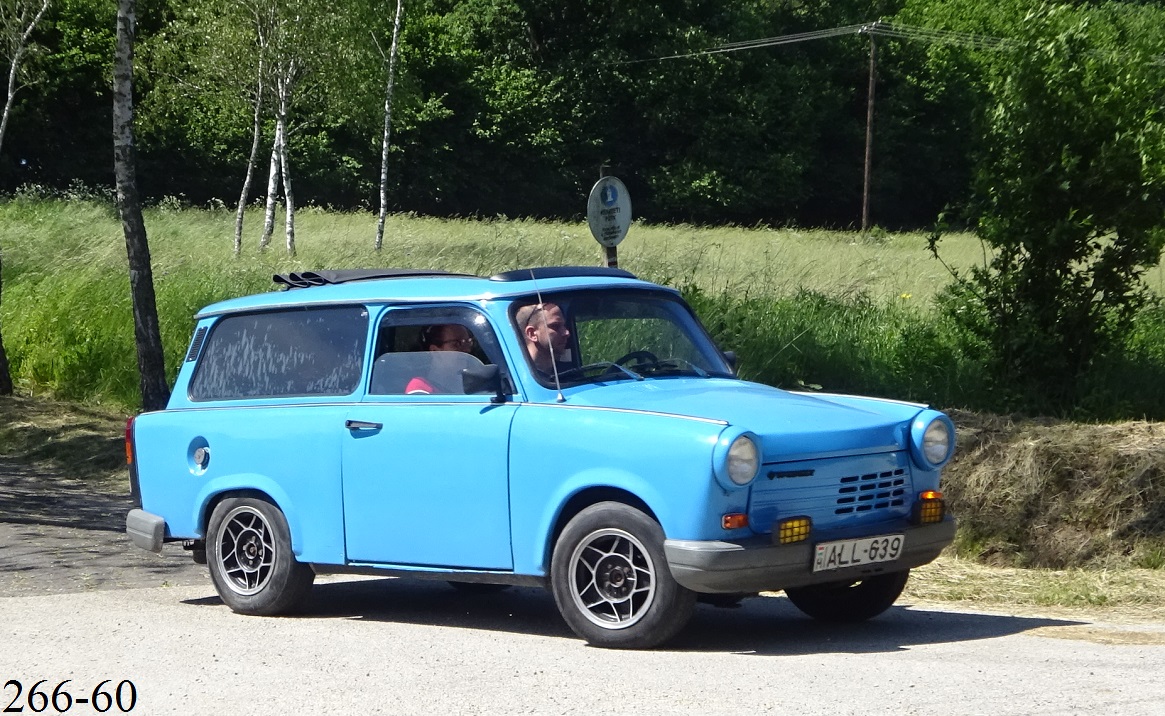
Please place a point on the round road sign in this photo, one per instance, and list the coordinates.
(609, 211)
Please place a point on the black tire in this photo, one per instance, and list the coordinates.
(611, 581)
(852, 602)
(248, 547)
(479, 588)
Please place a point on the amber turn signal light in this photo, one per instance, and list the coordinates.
(929, 508)
(734, 521)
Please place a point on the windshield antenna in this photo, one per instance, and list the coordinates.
(549, 345)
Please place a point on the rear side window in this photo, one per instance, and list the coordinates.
(302, 352)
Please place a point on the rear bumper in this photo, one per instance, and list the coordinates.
(146, 530)
(756, 564)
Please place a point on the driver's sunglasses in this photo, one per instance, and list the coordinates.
(458, 342)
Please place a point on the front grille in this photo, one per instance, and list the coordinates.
(872, 491)
(834, 492)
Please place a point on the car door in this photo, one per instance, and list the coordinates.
(425, 475)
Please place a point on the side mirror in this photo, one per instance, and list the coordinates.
(484, 379)
(730, 356)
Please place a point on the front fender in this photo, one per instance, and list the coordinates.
(601, 478)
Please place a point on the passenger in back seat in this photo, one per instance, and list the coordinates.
(440, 337)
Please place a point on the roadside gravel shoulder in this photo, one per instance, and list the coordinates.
(61, 534)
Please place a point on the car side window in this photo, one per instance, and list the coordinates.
(423, 351)
(298, 352)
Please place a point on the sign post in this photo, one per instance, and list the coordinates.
(609, 215)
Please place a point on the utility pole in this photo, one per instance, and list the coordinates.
(869, 130)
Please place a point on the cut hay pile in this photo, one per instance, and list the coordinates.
(1043, 493)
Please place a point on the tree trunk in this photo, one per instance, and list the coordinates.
(288, 195)
(5, 375)
(387, 126)
(256, 136)
(14, 74)
(273, 175)
(151, 360)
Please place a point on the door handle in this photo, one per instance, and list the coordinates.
(362, 425)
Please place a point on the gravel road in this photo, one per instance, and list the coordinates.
(59, 534)
(78, 602)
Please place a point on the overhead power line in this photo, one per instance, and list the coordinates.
(879, 27)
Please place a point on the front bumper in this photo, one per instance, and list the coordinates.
(146, 530)
(756, 564)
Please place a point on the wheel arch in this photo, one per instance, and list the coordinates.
(592, 496)
(214, 499)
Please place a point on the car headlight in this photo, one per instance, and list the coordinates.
(743, 460)
(736, 458)
(933, 436)
(936, 442)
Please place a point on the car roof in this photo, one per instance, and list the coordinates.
(324, 287)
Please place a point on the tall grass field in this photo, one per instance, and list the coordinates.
(803, 309)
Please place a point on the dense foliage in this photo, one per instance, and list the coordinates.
(510, 107)
(1038, 126)
(1068, 197)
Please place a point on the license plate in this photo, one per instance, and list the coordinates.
(854, 552)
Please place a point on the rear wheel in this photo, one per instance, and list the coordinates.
(852, 601)
(252, 566)
(611, 581)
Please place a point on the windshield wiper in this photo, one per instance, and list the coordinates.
(606, 366)
(676, 364)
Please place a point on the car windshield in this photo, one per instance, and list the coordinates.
(632, 335)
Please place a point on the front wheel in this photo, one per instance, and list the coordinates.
(611, 581)
(850, 602)
(252, 566)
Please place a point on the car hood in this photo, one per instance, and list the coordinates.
(791, 426)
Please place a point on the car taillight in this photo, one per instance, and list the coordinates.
(129, 440)
(135, 490)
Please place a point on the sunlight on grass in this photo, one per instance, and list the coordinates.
(754, 261)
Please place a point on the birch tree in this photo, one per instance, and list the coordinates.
(303, 40)
(18, 20)
(287, 77)
(387, 125)
(148, 337)
(260, 14)
(212, 60)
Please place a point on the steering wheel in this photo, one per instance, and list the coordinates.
(639, 357)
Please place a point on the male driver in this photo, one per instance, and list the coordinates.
(544, 329)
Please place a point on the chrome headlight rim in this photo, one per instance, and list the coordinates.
(933, 439)
(737, 459)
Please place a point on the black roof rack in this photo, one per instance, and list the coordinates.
(306, 279)
(547, 272)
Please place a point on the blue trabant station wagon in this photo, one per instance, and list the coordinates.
(567, 427)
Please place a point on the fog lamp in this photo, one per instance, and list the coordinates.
(794, 529)
(929, 508)
(734, 521)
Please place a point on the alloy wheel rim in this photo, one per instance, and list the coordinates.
(612, 578)
(246, 551)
